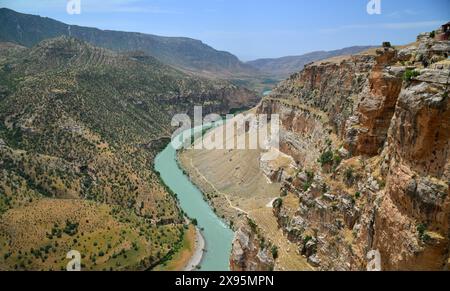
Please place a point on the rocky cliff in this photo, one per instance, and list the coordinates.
(369, 139)
(250, 253)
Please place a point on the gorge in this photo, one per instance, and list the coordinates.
(360, 178)
(364, 166)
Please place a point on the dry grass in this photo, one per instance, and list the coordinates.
(181, 259)
(289, 258)
(233, 179)
(105, 238)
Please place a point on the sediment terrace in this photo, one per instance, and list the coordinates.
(235, 185)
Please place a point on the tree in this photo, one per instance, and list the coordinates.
(326, 158)
(275, 252)
(278, 203)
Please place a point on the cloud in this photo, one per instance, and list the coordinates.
(391, 26)
(406, 12)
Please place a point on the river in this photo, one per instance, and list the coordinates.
(218, 236)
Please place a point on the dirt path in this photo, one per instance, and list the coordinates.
(217, 191)
(236, 177)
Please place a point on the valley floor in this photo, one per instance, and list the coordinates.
(236, 188)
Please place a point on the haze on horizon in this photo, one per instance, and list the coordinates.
(254, 29)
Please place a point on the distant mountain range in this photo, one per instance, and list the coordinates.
(184, 53)
(285, 66)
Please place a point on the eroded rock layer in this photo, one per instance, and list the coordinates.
(369, 139)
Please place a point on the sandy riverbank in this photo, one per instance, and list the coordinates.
(199, 251)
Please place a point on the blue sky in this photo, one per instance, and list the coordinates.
(256, 28)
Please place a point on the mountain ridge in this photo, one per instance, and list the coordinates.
(285, 66)
(80, 127)
(185, 53)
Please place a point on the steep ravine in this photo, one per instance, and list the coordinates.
(370, 137)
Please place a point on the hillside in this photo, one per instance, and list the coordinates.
(362, 167)
(188, 54)
(285, 66)
(369, 135)
(79, 129)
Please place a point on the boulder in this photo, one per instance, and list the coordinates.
(314, 261)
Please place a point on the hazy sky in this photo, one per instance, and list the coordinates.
(256, 28)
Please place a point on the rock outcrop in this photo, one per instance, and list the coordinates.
(369, 136)
(247, 253)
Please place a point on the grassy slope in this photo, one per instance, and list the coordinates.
(78, 123)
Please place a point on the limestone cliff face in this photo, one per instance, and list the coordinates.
(370, 139)
(247, 253)
(417, 173)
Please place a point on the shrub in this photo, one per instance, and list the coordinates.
(310, 174)
(307, 239)
(275, 252)
(326, 158)
(337, 160)
(71, 228)
(410, 74)
(252, 225)
(349, 176)
(422, 229)
(278, 203)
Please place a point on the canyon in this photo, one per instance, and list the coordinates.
(364, 166)
(359, 179)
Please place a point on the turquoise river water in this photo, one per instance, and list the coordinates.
(218, 236)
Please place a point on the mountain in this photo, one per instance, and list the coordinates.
(79, 129)
(366, 185)
(187, 54)
(285, 66)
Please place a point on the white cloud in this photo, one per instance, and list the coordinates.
(406, 12)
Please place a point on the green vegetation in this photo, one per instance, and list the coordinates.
(329, 159)
(422, 230)
(410, 74)
(71, 228)
(274, 251)
(306, 239)
(84, 124)
(278, 203)
(309, 180)
(252, 225)
(350, 176)
(180, 52)
(326, 158)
